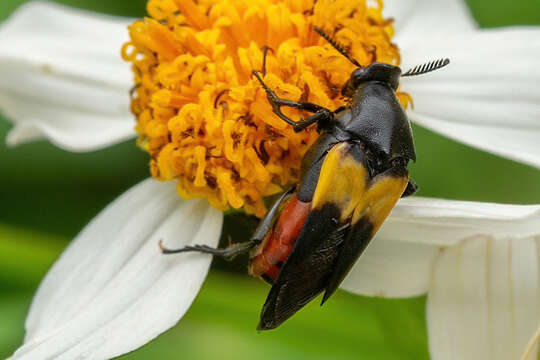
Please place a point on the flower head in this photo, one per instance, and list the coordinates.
(202, 116)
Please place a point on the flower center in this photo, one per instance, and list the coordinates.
(202, 117)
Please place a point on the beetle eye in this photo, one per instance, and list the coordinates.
(352, 83)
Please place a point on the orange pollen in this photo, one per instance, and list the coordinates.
(202, 117)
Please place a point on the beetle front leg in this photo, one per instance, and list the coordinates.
(321, 117)
(322, 114)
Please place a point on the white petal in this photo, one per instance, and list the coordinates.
(62, 77)
(441, 222)
(112, 290)
(487, 97)
(399, 260)
(416, 18)
(391, 268)
(483, 302)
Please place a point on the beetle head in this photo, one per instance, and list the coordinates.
(381, 72)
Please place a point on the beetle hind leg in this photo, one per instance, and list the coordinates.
(228, 253)
(233, 250)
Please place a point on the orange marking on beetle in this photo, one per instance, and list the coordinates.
(279, 242)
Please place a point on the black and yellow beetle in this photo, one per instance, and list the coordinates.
(351, 178)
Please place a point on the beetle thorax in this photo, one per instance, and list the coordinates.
(376, 116)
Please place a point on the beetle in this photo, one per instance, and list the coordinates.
(351, 178)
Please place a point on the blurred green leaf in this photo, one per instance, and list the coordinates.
(505, 13)
(13, 308)
(55, 191)
(25, 256)
(133, 8)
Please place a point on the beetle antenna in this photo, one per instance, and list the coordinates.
(427, 67)
(336, 46)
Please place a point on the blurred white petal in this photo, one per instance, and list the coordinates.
(112, 290)
(416, 19)
(398, 262)
(483, 303)
(532, 346)
(62, 77)
(488, 96)
(400, 11)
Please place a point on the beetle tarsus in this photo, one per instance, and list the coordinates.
(322, 114)
(228, 253)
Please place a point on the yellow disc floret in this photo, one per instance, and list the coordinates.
(203, 118)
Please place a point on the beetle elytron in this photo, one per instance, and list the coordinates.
(351, 178)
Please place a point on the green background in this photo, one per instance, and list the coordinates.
(47, 195)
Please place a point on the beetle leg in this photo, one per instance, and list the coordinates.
(411, 188)
(320, 117)
(229, 253)
(233, 250)
(275, 101)
(322, 113)
(267, 223)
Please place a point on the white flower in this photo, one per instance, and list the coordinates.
(112, 291)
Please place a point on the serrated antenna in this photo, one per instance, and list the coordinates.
(336, 46)
(427, 67)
